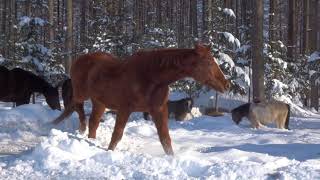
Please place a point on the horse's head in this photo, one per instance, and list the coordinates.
(236, 117)
(52, 97)
(206, 70)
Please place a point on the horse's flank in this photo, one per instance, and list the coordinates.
(269, 112)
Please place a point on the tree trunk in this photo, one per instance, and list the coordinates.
(313, 25)
(291, 30)
(271, 22)
(4, 28)
(258, 62)
(306, 12)
(51, 24)
(69, 38)
(83, 24)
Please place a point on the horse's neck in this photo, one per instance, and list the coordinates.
(40, 85)
(170, 76)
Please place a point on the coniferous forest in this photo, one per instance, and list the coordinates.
(232, 88)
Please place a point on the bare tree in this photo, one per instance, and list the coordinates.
(258, 62)
(69, 38)
(51, 25)
(291, 30)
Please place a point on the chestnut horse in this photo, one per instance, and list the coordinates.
(138, 83)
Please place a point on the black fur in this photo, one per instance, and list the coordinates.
(179, 108)
(239, 112)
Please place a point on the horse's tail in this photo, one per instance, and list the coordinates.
(288, 117)
(66, 113)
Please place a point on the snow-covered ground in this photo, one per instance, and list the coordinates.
(205, 148)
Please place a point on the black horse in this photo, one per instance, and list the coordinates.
(17, 85)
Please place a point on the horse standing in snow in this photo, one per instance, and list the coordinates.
(263, 113)
(138, 83)
(17, 85)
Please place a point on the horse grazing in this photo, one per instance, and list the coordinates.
(179, 109)
(263, 113)
(17, 85)
(138, 83)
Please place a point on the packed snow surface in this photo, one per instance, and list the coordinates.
(205, 148)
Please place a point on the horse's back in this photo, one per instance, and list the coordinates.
(89, 64)
(269, 111)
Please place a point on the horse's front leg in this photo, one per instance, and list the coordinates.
(97, 111)
(121, 121)
(160, 117)
(24, 100)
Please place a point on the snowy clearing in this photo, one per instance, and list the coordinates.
(205, 148)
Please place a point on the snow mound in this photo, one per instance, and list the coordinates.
(205, 148)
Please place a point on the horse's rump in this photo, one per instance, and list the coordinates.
(88, 69)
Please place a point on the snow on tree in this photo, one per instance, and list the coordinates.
(31, 53)
(229, 12)
(314, 56)
(159, 37)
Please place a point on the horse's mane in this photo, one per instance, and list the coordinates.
(163, 58)
(243, 109)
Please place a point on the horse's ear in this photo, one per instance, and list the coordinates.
(202, 49)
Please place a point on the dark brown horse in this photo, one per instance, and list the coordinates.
(138, 83)
(17, 85)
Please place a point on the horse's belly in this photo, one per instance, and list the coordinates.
(8, 98)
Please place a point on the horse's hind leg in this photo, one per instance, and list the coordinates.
(97, 111)
(281, 121)
(79, 107)
(121, 121)
(160, 118)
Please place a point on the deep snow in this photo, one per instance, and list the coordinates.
(205, 148)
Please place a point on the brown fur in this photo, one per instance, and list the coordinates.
(137, 83)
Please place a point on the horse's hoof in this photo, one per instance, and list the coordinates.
(82, 130)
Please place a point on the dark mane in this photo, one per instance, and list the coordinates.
(163, 58)
(242, 109)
